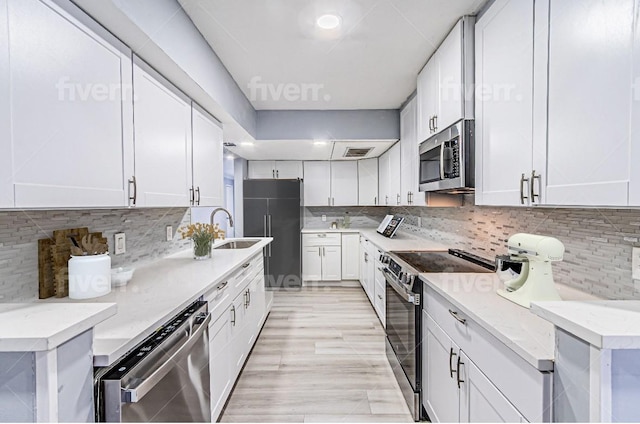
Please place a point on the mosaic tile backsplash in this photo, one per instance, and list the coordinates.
(145, 231)
(598, 242)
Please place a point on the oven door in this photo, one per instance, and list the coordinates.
(402, 327)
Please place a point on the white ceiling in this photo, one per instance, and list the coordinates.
(370, 62)
(306, 149)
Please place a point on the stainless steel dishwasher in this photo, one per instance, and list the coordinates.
(164, 378)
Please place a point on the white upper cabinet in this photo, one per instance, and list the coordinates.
(368, 182)
(269, 169)
(554, 125)
(162, 142)
(504, 102)
(409, 190)
(591, 83)
(317, 183)
(344, 183)
(445, 92)
(208, 179)
(63, 96)
(384, 194)
(395, 196)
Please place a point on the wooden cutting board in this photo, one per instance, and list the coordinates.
(53, 261)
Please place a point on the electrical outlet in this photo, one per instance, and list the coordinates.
(419, 221)
(120, 244)
(635, 263)
(169, 233)
(324, 218)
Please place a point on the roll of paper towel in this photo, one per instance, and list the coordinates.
(89, 276)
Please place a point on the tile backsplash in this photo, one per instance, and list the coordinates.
(598, 242)
(145, 231)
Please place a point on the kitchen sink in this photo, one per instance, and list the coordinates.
(237, 244)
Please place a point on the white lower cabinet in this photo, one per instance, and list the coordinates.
(350, 255)
(235, 327)
(371, 277)
(220, 362)
(321, 257)
(469, 376)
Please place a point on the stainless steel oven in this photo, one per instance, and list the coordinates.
(163, 379)
(447, 160)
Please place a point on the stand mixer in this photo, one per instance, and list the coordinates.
(535, 281)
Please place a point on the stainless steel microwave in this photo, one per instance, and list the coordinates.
(447, 160)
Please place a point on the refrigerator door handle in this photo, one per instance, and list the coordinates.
(269, 229)
(264, 227)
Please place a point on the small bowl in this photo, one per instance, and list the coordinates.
(121, 276)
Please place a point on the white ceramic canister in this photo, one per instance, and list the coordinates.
(89, 276)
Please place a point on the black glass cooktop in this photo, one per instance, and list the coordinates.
(451, 261)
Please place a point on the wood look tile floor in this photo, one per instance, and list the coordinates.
(320, 358)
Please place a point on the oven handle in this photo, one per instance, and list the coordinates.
(442, 161)
(135, 394)
(408, 297)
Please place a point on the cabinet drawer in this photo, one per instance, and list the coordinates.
(322, 239)
(527, 388)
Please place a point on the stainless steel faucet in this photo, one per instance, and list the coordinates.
(216, 210)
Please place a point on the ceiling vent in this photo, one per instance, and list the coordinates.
(357, 152)
(229, 144)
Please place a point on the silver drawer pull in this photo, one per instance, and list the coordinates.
(379, 297)
(222, 286)
(455, 315)
(246, 265)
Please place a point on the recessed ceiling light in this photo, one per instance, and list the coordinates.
(328, 21)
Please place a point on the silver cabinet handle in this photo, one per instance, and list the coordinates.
(375, 200)
(324, 252)
(379, 297)
(333, 201)
(430, 124)
(366, 257)
(522, 196)
(329, 200)
(398, 197)
(273, 173)
(435, 123)
(136, 393)
(233, 320)
(386, 200)
(451, 355)
(246, 299)
(192, 197)
(133, 197)
(458, 371)
(442, 161)
(246, 265)
(455, 315)
(222, 286)
(532, 184)
(320, 251)
(198, 195)
(408, 197)
(277, 173)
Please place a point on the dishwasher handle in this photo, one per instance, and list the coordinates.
(135, 394)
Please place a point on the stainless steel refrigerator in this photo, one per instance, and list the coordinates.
(273, 208)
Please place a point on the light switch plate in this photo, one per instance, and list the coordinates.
(324, 218)
(120, 244)
(169, 233)
(635, 263)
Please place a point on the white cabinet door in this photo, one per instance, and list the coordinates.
(288, 169)
(384, 195)
(162, 142)
(449, 58)
(344, 183)
(331, 263)
(311, 263)
(480, 400)
(441, 395)
(208, 178)
(262, 170)
(589, 105)
(368, 182)
(350, 256)
(428, 98)
(317, 183)
(238, 334)
(220, 362)
(504, 101)
(363, 262)
(395, 195)
(409, 161)
(66, 92)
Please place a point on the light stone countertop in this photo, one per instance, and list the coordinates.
(157, 292)
(606, 324)
(34, 327)
(528, 335)
(401, 241)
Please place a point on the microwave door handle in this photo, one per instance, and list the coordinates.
(135, 394)
(442, 161)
